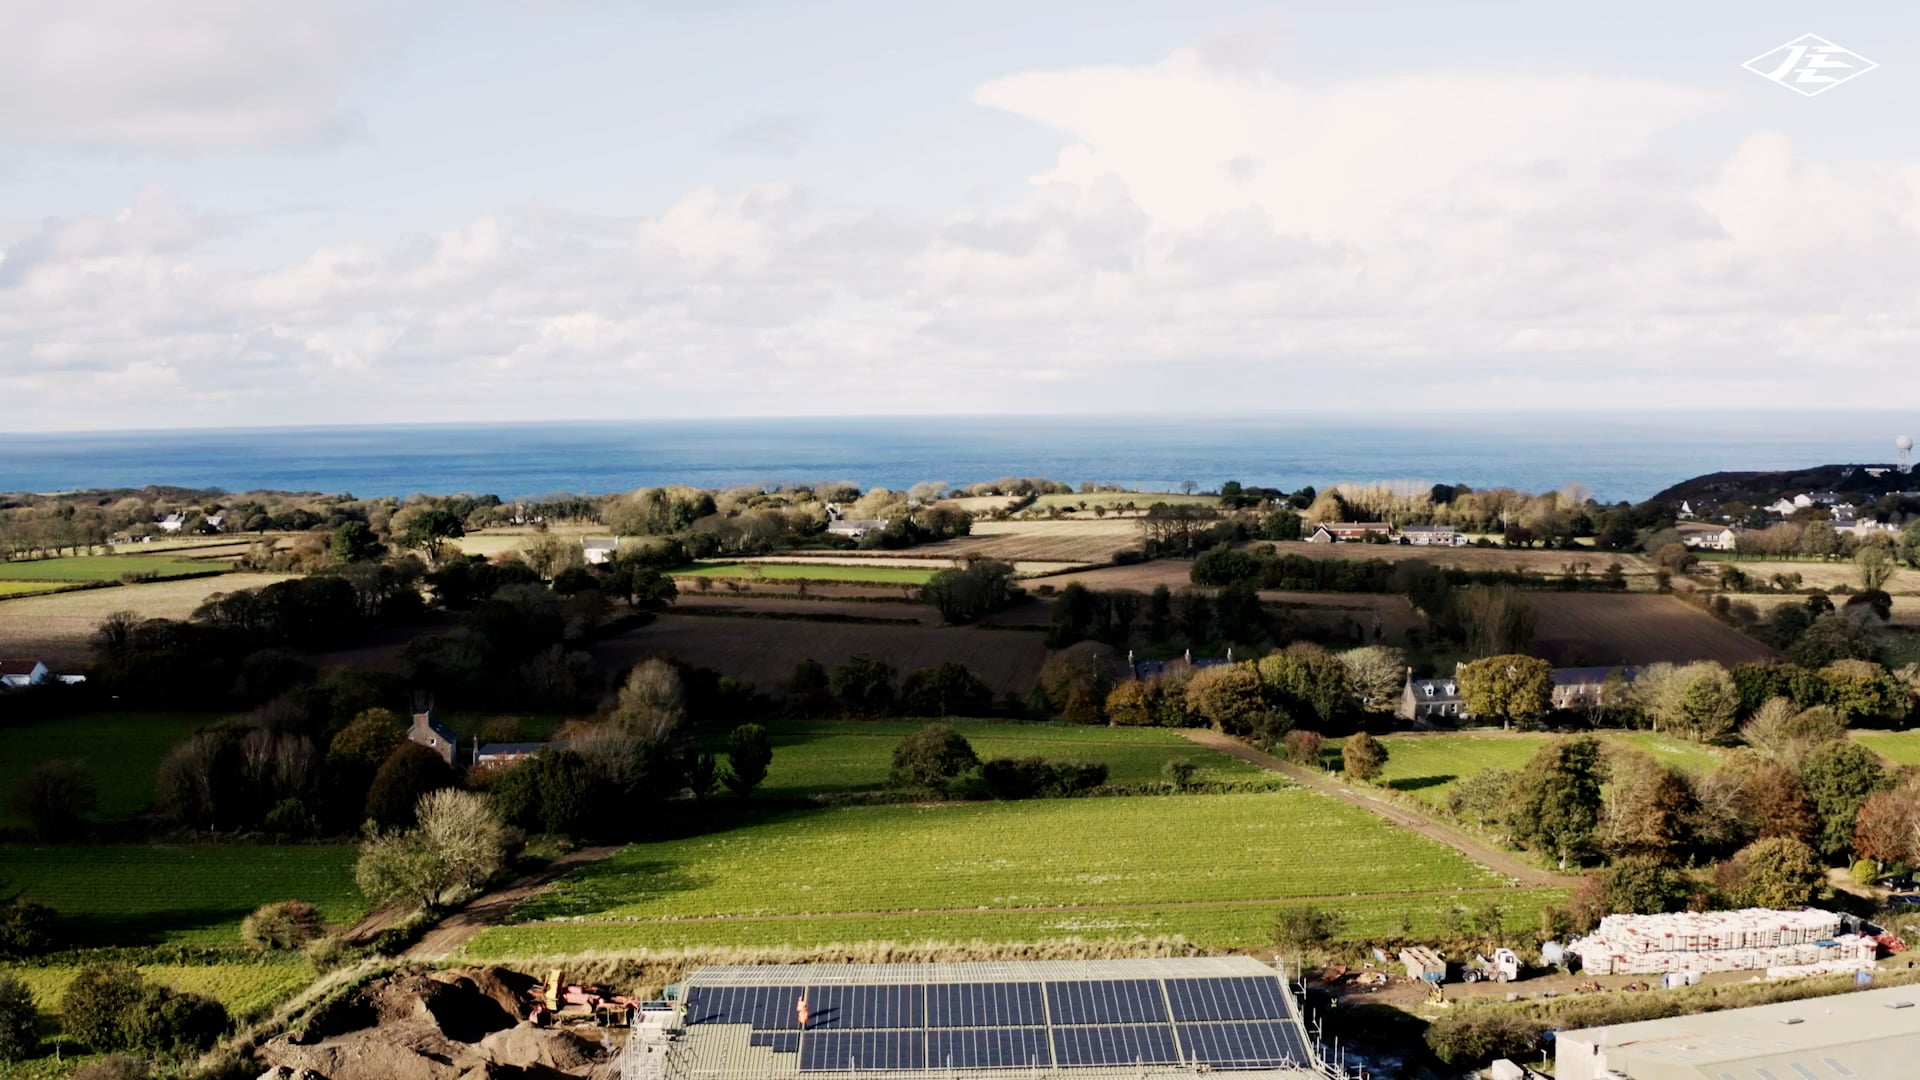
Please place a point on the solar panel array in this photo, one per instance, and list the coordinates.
(1226, 1023)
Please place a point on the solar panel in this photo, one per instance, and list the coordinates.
(984, 1005)
(1117, 1001)
(1147, 1044)
(842, 1051)
(764, 1007)
(988, 1048)
(1242, 1045)
(1227, 999)
(865, 1007)
(780, 1042)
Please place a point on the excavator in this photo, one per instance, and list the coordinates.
(575, 1003)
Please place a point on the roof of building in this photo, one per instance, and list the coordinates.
(1842, 1037)
(1088, 1019)
(19, 667)
(1428, 529)
(600, 545)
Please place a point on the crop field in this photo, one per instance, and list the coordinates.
(1594, 629)
(241, 987)
(491, 542)
(1551, 563)
(55, 627)
(1428, 766)
(1814, 573)
(765, 651)
(1140, 500)
(773, 571)
(1090, 540)
(122, 750)
(30, 588)
(1176, 853)
(840, 756)
(101, 567)
(1906, 609)
(178, 895)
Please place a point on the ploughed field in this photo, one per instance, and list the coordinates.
(1601, 629)
(841, 756)
(765, 650)
(1214, 868)
(756, 570)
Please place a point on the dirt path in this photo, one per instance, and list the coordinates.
(496, 907)
(1503, 862)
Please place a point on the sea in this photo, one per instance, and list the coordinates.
(1616, 456)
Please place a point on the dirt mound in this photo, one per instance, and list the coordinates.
(418, 1024)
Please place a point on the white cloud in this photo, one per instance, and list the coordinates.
(179, 74)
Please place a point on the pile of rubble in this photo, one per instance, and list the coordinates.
(1788, 942)
(420, 1024)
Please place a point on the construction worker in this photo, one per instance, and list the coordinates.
(800, 1009)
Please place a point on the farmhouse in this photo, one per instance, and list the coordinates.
(433, 735)
(855, 528)
(1867, 1033)
(173, 522)
(1088, 1019)
(1329, 532)
(1573, 688)
(1708, 537)
(1432, 536)
(599, 552)
(19, 674)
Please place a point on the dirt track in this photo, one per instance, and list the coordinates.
(1504, 862)
(494, 908)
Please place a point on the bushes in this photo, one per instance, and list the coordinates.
(946, 690)
(749, 754)
(1033, 777)
(1474, 1037)
(460, 845)
(1777, 872)
(114, 1067)
(26, 928)
(1363, 756)
(110, 1007)
(1297, 929)
(55, 797)
(19, 1020)
(289, 924)
(1303, 747)
(408, 773)
(931, 758)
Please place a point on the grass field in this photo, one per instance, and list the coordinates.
(765, 651)
(102, 567)
(241, 987)
(1814, 573)
(55, 627)
(832, 757)
(177, 895)
(123, 751)
(1213, 866)
(1901, 747)
(29, 588)
(1428, 766)
(770, 571)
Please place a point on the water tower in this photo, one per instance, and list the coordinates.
(1904, 444)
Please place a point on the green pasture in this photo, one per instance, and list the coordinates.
(242, 987)
(106, 567)
(876, 575)
(30, 588)
(839, 756)
(124, 895)
(1428, 766)
(122, 750)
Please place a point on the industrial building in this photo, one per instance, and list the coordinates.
(1864, 1035)
(1084, 1019)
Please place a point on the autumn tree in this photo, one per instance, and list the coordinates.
(1649, 808)
(1376, 674)
(1773, 873)
(1787, 735)
(1513, 688)
(1695, 701)
(1887, 829)
(1751, 798)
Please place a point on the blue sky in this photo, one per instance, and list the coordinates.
(215, 212)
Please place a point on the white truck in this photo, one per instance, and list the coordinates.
(1503, 968)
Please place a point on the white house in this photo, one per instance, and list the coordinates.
(1782, 507)
(1686, 510)
(1432, 536)
(173, 522)
(17, 674)
(599, 552)
(216, 522)
(851, 528)
(1349, 531)
(1709, 537)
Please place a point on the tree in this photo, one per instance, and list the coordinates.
(1887, 829)
(465, 837)
(1838, 778)
(1495, 619)
(1306, 681)
(946, 690)
(288, 924)
(1299, 929)
(1187, 486)
(1833, 637)
(1376, 674)
(1512, 688)
(1875, 565)
(652, 702)
(56, 797)
(865, 685)
(554, 791)
(1774, 873)
(809, 689)
(19, 1020)
(1230, 697)
(1076, 681)
(749, 754)
(94, 1002)
(1364, 756)
(427, 530)
(354, 541)
(931, 757)
(26, 928)
(1787, 735)
(1648, 811)
(1643, 885)
(1749, 798)
(1282, 524)
(1481, 799)
(963, 595)
(1159, 614)
(1910, 544)
(1695, 701)
(1555, 801)
(408, 773)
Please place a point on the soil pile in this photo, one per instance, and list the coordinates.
(418, 1024)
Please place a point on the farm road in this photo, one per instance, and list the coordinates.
(494, 908)
(1502, 862)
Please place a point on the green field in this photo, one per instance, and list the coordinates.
(241, 987)
(123, 751)
(1208, 866)
(1901, 747)
(832, 757)
(177, 895)
(30, 588)
(1427, 766)
(878, 575)
(106, 567)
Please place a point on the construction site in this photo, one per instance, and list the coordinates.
(1783, 944)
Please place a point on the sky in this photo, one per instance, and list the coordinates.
(226, 213)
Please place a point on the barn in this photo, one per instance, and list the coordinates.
(1086, 1019)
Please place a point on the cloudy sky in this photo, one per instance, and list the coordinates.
(224, 212)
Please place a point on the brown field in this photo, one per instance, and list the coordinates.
(1577, 629)
(1093, 540)
(766, 650)
(1173, 573)
(55, 627)
(979, 504)
(1906, 609)
(936, 556)
(491, 542)
(1470, 558)
(747, 604)
(1813, 575)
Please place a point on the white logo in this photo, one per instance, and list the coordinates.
(1809, 64)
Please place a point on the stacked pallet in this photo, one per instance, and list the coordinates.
(1749, 940)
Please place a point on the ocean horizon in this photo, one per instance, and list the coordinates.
(1616, 456)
